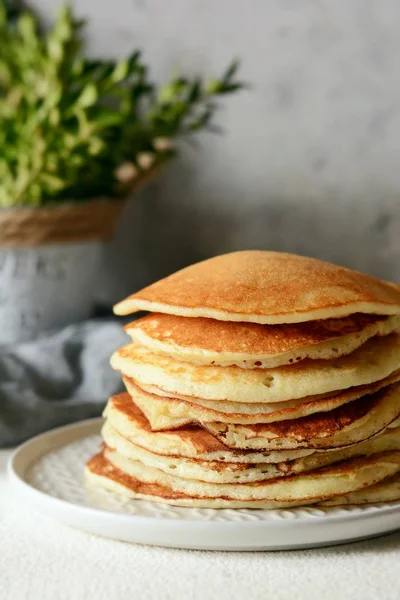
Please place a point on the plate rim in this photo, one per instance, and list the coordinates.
(17, 472)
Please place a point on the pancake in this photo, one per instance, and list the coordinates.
(387, 490)
(189, 442)
(225, 472)
(340, 479)
(250, 345)
(349, 424)
(102, 474)
(376, 359)
(265, 287)
(164, 412)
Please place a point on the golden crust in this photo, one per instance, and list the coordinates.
(235, 472)
(320, 484)
(177, 411)
(189, 441)
(322, 425)
(348, 425)
(200, 439)
(376, 359)
(265, 287)
(387, 490)
(99, 465)
(208, 341)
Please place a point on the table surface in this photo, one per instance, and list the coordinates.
(43, 560)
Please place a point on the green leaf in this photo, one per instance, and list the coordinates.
(231, 71)
(5, 74)
(133, 61)
(52, 182)
(96, 145)
(65, 25)
(54, 117)
(120, 71)
(88, 97)
(194, 92)
(109, 120)
(26, 25)
(171, 91)
(234, 87)
(98, 70)
(3, 14)
(55, 49)
(214, 87)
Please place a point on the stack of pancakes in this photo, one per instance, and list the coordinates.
(259, 380)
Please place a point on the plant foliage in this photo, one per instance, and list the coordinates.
(72, 128)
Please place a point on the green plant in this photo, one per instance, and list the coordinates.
(72, 128)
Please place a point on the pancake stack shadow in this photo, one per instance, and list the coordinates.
(257, 380)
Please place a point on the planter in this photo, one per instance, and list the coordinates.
(50, 260)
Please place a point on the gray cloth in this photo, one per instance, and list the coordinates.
(62, 377)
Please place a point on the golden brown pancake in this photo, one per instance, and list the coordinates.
(387, 490)
(164, 412)
(376, 359)
(265, 287)
(226, 472)
(190, 442)
(250, 345)
(349, 424)
(135, 480)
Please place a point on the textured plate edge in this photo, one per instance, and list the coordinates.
(160, 531)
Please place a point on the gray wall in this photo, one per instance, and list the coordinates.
(310, 161)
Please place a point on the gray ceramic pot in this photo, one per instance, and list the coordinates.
(50, 261)
(45, 287)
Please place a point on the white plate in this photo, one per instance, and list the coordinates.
(47, 472)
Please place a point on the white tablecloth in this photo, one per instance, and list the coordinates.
(42, 560)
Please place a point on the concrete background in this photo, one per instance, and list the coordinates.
(310, 158)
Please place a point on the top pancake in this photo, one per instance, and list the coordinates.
(249, 345)
(265, 287)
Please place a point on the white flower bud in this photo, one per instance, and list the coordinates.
(161, 144)
(126, 172)
(145, 160)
